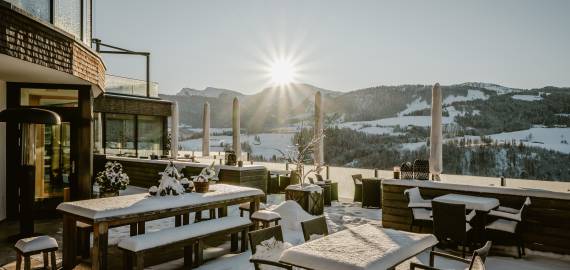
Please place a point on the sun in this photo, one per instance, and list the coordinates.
(283, 72)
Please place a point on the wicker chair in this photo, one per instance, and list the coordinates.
(477, 261)
(421, 169)
(315, 226)
(420, 209)
(334, 186)
(371, 193)
(256, 237)
(406, 170)
(450, 224)
(508, 224)
(284, 181)
(357, 178)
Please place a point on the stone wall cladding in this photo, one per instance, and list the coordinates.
(27, 39)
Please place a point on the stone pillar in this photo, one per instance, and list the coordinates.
(236, 129)
(318, 127)
(174, 131)
(206, 130)
(99, 145)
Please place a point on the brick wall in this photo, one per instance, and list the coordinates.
(25, 38)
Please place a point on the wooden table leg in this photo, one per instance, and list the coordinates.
(186, 219)
(69, 248)
(177, 221)
(133, 229)
(100, 239)
(223, 211)
(254, 207)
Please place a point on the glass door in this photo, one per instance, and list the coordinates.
(53, 161)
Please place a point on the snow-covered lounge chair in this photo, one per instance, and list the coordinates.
(507, 221)
(419, 207)
(451, 224)
(314, 228)
(190, 237)
(477, 261)
(272, 252)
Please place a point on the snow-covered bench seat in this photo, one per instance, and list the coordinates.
(190, 237)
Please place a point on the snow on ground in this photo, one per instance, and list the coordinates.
(416, 105)
(413, 146)
(563, 114)
(471, 95)
(527, 97)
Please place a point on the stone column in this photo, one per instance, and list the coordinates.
(99, 145)
(236, 129)
(206, 130)
(436, 136)
(318, 127)
(174, 131)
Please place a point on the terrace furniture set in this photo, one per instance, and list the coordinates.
(136, 209)
(447, 215)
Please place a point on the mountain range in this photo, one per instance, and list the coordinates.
(476, 102)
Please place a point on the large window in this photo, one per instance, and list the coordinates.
(37, 8)
(133, 135)
(120, 134)
(72, 16)
(150, 131)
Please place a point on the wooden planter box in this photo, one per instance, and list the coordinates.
(312, 202)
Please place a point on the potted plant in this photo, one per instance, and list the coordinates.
(169, 183)
(111, 179)
(202, 181)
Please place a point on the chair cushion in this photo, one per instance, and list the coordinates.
(422, 214)
(504, 225)
(37, 243)
(265, 215)
(506, 215)
(416, 199)
(270, 250)
(507, 209)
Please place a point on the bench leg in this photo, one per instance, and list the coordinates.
(188, 256)
(177, 221)
(199, 253)
(244, 239)
(127, 260)
(53, 263)
(234, 242)
(18, 261)
(27, 263)
(133, 229)
(186, 219)
(139, 261)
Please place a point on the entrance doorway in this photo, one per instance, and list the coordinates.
(63, 157)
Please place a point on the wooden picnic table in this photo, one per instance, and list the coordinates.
(135, 210)
(363, 247)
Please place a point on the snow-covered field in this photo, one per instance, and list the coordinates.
(548, 138)
(267, 146)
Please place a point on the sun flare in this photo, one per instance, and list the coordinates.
(283, 72)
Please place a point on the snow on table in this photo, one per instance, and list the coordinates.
(144, 202)
(471, 202)
(362, 247)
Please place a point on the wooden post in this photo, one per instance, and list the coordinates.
(236, 143)
(328, 171)
(375, 172)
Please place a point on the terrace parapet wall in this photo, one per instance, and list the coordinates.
(26, 38)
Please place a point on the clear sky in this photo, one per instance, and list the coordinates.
(339, 45)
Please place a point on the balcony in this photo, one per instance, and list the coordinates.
(130, 87)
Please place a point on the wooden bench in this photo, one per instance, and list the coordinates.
(190, 237)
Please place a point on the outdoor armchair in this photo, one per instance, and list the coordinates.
(256, 237)
(371, 193)
(510, 224)
(451, 224)
(315, 226)
(477, 261)
(357, 178)
(420, 209)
